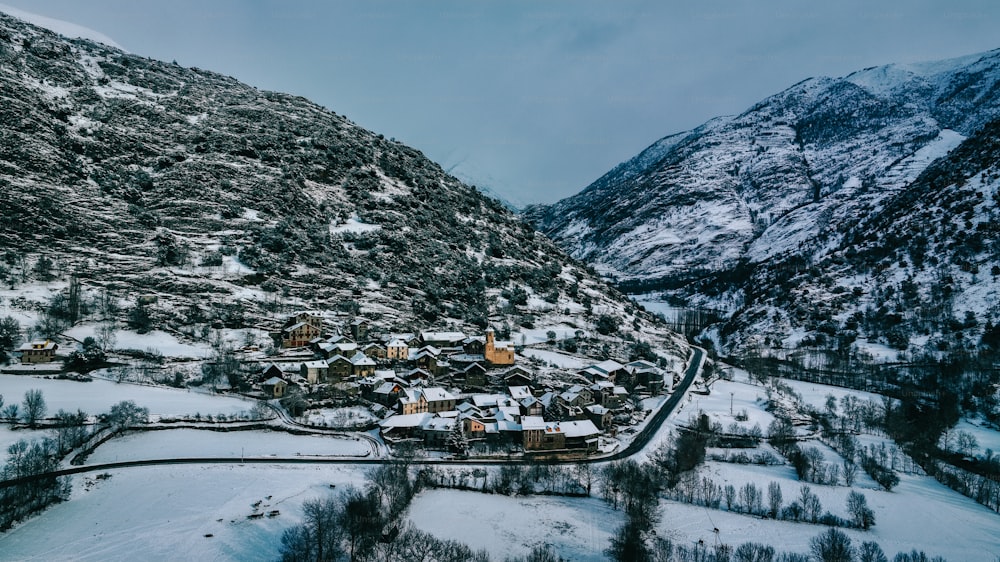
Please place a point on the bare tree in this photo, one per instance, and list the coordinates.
(832, 546)
(861, 515)
(870, 551)
(34, 407)
(774, 499)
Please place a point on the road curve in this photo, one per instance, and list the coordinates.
(637, 444)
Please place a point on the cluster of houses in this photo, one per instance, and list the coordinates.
(431, 381)
(533, 417)
(313, 356)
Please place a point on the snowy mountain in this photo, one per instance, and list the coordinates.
(782, 195)
(230, 204)
(64, 28)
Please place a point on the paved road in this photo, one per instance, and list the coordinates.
(637, 444)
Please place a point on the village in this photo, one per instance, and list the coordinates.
(457, 392)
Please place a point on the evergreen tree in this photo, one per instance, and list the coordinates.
(457, 441)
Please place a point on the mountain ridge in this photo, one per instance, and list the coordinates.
(786, 181)
(232, 204)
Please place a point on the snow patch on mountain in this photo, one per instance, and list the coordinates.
(64, 28)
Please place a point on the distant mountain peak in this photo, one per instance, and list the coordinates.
(719, 216)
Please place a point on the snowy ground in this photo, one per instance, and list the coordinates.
(163, 342)
(560, 360)
(8, 437)
(578, 528)
(340, 417)
(986, 438)
(193, 443)
(164, 513)
(99, 395)
(919, 513)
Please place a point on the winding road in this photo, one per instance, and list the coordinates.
(641, 439)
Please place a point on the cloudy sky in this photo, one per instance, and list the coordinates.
(534, 99)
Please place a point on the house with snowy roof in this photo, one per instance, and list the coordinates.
(600, 415)
(442, 339)
(519, 392)
(432, 400)
(359, 328)
(315, 371)
(340, 367)
(397, 350)
(274, 387)
(362, 365)
(375, 350)
(646, 375)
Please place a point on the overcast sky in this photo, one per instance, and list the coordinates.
(534, 99)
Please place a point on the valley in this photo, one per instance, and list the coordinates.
(236, 325)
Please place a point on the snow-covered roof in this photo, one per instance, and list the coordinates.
(597, 410)
(468, 408)
(410, 396)
(519, 392)
(317, 364)
(386, 388)
(532, 423)
(475, 366)
(385, 374)
(641, 365)
(397, 343)
(486, 400)
(442, 336)
(362, 360)
(595, 373)
(609, 366)
(273, 381)
(429, 349)
(578, 428)
(438, 423)
(405, 420)
(436, 393)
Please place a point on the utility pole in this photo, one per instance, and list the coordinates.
(730, 403)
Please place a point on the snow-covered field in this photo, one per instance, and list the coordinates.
(164, 513)
(986, 438)
(99, 395)
(163, 342)
(919, 513)
(340, 417)
(8, 437)
(560, 360)
(193, 443)
(578, 528)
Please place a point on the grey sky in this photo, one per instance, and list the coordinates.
(534, 99)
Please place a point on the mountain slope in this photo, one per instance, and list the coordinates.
(149, 178)
(784, 185)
